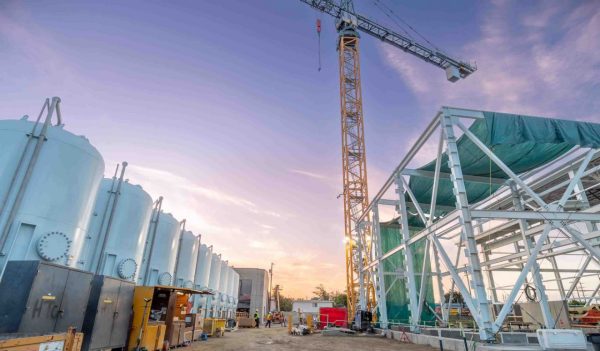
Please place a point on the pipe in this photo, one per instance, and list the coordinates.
(13, 180)
(182, 225)
(117, 195)
(156, 213)
(93, 263)
(197, 258)
(29, 170)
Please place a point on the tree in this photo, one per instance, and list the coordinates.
(456, 297)
(339, 299)
(321, 293)
(285, 303)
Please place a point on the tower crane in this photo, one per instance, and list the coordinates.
(354, 162)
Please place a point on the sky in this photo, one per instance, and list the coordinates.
(219, 106)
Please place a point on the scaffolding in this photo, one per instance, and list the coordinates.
(529, 215)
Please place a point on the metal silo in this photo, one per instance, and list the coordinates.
(223, 288)
(48, 183)
(215, 272)
(118, 228)
(213, 283)
(203, 264)
(160, 252)
(230, 288)
(186, 261)
(236, 289)
(202, 276)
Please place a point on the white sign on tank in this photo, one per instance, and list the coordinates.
(56, 200)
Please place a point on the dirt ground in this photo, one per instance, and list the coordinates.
(277, 338)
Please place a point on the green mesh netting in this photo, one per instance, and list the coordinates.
(522, 142)
(396, 297)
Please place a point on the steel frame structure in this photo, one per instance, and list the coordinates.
(531, 216)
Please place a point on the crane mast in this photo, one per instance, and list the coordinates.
(354, 162)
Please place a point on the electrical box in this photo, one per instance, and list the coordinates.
(571, 339)
(452, 73)
(108, 313)
(41, 297)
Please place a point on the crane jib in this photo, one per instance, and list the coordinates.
(391, 37)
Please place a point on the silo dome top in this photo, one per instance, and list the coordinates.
(54, 132)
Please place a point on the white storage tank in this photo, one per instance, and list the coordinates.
(202, 276)
(231, 286)
(213, 283)
(203, 264)
(47, 191)
(236, 289)
(121, 219)
(223, 287)
(228, 287)
(186, 262)
(162, 251)
(215, 272)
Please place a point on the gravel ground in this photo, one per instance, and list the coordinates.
(277, 338)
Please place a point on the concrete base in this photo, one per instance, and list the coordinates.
(457, 344)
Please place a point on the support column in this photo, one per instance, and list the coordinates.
(411, 283)
(485, 324)
(535, 267)
(380, 282)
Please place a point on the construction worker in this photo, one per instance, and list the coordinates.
(269, 318)
(257, 318)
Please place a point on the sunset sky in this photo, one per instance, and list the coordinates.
(219, 107)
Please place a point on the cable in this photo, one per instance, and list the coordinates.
(378, 3)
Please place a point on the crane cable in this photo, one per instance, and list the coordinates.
(389, 13)
(319, 41)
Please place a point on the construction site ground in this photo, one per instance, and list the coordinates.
(277, 338)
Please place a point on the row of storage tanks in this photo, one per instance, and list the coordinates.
(56, 206)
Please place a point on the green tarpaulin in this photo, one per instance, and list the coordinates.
(397, 294)
(522, 142)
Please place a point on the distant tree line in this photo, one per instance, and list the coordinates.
(320, 293)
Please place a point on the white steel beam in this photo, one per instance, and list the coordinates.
(380, 282)
(408, 257)
(540, 216)
(468, 178)
(507, 307)
(535, 268)
(483, 309)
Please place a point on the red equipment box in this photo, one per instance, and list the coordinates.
(333, 316)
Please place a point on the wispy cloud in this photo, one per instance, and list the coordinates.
(187, 191)
(543, 62)
(309, 174)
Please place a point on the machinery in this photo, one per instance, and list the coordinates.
(186, 259)
(48, 184)
(41, 297)
(354, 162)
(159, 317)
(108, 314)
(118, 227)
